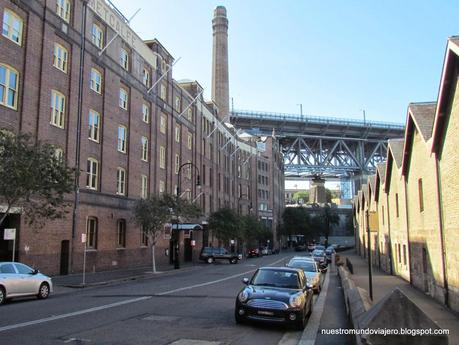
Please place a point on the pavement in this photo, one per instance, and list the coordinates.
(384, 283)
(70, 282)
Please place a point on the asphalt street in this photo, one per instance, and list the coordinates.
(187, 307)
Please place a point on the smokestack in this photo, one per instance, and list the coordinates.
(220, 82)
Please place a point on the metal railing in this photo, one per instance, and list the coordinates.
(314, 119)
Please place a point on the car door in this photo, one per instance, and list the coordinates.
(28, 283)
(10, 279)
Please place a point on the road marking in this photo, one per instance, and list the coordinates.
(310, 333)
(116, 304)
(64, 316)
(211, 282)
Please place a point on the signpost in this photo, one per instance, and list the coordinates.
(83, 240)
(10, 235)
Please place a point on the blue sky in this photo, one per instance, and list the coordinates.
(335, 57)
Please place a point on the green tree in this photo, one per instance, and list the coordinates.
(253, 231)
(303, 195)
(153, 213)
(297, 222)
(33, 179)
(225, 224)
(326, 219)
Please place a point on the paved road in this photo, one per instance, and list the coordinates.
(171, 309)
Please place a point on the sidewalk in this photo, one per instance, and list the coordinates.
(70, 282)
(384, 283)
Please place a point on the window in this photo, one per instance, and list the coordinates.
(59, 154)
(188, 170)
(143, 238)
(121, 233)
(120, 181)
(144, 187)
(146, 77)
(163, 94)
(60, 58)
(162, 124)
(8, 86)
(396, 205)
(12, 26)
(144, 141)
(145, 113)
(162, 157)
(123, 99)
(57, 109)
(94, 125)
(421, 195)
(177, 163)
(404, 254)
(163, 65)
(96, 81)
(122, 135)
(63, 9)
(92, 173)
(162, 186)
(177, 103)
(97, 36)
(177, 133)
(399, 254)
(124, 59)
(190, 114)
(190, 141)
(382, 214)
(91, 233)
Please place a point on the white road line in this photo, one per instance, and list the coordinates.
(310, 333)
(64, 316)
(113, 305)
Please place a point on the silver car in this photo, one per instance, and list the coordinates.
(18, 280)
(310, 269)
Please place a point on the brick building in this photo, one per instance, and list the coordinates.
(416, 203)
(79, 78)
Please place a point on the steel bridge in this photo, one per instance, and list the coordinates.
(327, 146)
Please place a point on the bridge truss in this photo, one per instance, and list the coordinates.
(326, 146)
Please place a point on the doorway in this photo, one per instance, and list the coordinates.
(65, 251)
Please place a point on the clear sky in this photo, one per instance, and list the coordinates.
(335, 57)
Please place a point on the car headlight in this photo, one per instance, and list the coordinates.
(243, 296)
(296, 300)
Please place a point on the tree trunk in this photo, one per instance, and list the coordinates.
(153, 261)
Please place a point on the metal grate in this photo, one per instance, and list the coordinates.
(267, 304)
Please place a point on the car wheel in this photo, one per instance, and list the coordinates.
(210, 260)
(2, 295)
(233, 261)
(43, 291)
(317, 291)
(310, 308)
(301, 324)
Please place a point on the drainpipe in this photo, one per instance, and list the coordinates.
(390, 239)
(408, 230)
(442, 233)
(78, 132)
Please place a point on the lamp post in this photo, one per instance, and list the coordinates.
(176, 242)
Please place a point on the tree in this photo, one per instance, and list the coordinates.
(328, 218)
(225, 224)
(153, 213)
(303, 195)
(253, 231)
(297, 222)
(33, 179)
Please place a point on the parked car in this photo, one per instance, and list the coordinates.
(266, 251)
(320, 258)
(310, 269)
(319, 247)
(210, 254)
(19, 280)
(253, 252)
(277, 295)
(329, 252)
(311, 246)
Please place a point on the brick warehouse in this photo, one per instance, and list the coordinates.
(138, 126)
(415, 219)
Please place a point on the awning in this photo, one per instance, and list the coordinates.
(185, 226)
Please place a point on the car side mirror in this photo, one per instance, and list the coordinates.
(308, 286)
(35, 271)
(245, 281)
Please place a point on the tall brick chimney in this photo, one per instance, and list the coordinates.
(220, 82)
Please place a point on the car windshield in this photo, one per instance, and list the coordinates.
(307, 266)
(283, 279)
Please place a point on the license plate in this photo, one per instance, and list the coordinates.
(263, 312)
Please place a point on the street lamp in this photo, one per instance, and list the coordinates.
(175, 241)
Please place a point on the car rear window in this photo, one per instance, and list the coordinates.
(307, 266)
(7, 268)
